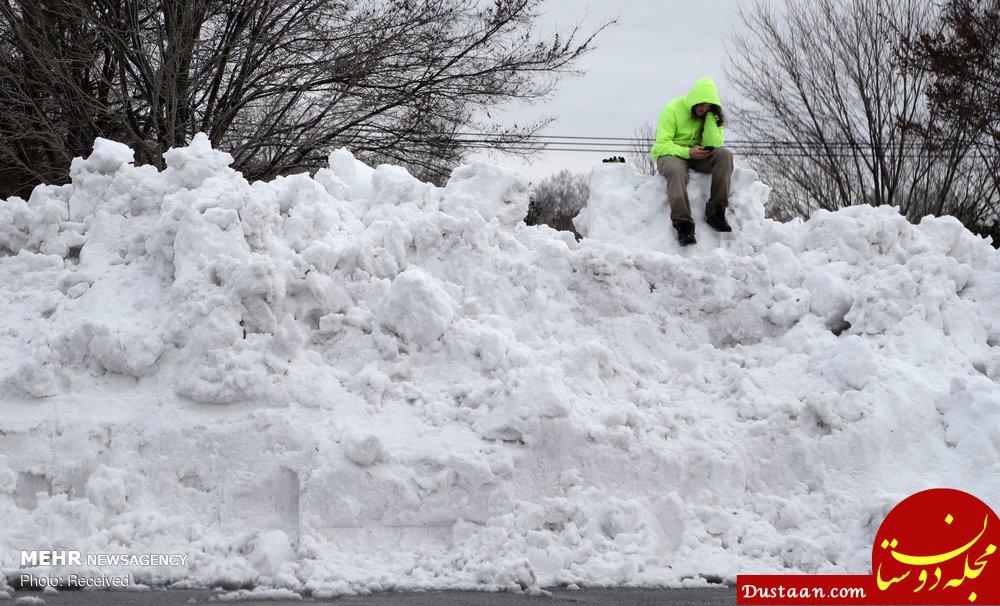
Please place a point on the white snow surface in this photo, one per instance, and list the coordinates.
(356, 381)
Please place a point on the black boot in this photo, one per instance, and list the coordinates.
(717, 220)
(685, 233)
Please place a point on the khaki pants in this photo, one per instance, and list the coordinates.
(719, 163)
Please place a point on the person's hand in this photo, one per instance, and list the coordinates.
(699, 153)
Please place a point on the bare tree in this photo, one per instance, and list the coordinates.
(637, 155)
(961, 55)
(823, 92)
(278, 83)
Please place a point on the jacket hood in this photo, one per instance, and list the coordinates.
(703, 91)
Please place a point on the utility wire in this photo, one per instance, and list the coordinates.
(600, 141)
(540, 143)
(756, 152)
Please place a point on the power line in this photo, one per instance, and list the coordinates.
(757, 152)
(542, 143)
(600, 141)
(644, 145)
(597, 146)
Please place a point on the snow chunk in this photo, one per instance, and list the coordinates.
(830, 297)
(416, 307)
(272, 553)
(106, 489)
(784, 266)
(124, 350)
(971, 415)
(108, 156)
(395, 185)
(529, 398)
(364, 449)
(853, 364)
(191, 166)
(492, 191)
(347, 177)
(132, 352)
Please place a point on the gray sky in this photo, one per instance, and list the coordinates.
(654, 53)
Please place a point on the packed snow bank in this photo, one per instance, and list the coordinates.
(357, 381)
(632, 210)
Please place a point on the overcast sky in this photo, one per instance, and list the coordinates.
(654, 53)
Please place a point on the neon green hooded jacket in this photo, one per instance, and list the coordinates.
(678, 131)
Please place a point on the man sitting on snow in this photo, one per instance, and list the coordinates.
(690, 135)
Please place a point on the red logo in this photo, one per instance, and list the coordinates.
(938, 546)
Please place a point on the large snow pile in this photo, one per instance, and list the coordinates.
(357, 381)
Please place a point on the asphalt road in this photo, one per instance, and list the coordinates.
(555, 597)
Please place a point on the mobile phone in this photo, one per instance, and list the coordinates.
(709, 147)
